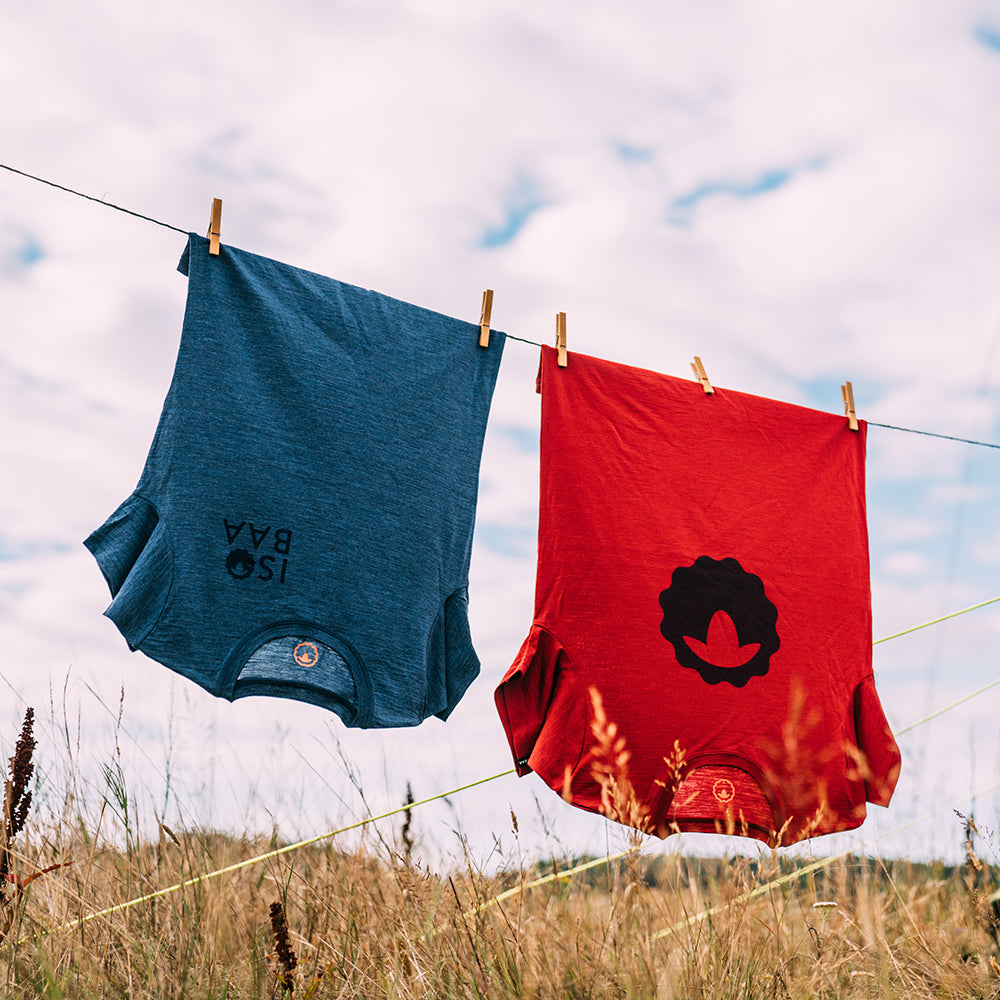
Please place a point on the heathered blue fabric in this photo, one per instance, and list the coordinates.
(303, 524)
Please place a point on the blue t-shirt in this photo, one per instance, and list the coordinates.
(303, 524)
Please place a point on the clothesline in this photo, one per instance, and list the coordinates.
(177, 229)
(100, 201)
(744, 897)
(197, 879)
(947, 437)
(534, 343)
(481, 781)
(794, 876)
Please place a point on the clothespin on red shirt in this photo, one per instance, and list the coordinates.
(701, 375)
(484, 318)
(561, 339)
(847, 391)
(215, 227)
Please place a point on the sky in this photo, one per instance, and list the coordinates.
(800, 195)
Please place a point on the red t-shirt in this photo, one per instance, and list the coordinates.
(701, 653)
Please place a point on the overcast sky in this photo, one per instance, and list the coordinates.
(800, 194)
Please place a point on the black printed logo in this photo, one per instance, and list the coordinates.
(719, 621)
(268, 548)
(240, 563)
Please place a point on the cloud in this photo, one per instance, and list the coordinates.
(505, 539)
(834, 171)
(911, 565)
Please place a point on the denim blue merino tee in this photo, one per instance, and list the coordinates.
(303, 524)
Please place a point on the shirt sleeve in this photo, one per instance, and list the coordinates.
(523, 699)
(881, 760)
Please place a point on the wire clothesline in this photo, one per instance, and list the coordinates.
(89, 197)
(933, 434)
(534, 343)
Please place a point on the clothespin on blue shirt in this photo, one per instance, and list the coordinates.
(484, 318)
(561, 356)
(215, 227)
(701, 375)
(847, 391)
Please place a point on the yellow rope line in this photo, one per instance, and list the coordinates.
(805, 871)
(551, 877)
(482, 781)
(947, 708)
(808, 869)
(615, 857)
(936, 621)
(744, 898)
(281, 850)
(964, 698)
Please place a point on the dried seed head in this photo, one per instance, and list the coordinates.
(283, 947)
(18, 801)
(609, 760)
(405, 834)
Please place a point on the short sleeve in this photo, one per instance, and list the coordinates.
(133, 552)
(537, 678)
(879, 750)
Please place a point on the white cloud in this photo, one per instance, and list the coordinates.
(912, 565)
(377, 142)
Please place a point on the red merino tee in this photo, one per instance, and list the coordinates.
(701, 651)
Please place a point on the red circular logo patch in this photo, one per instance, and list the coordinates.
(306, 654)
(724, 791)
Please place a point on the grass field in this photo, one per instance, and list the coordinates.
(376, 922)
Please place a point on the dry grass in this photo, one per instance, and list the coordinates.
(318, 922)
(370, 924)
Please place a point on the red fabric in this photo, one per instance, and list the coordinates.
(700, 656)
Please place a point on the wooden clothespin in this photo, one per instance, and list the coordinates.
(215, 227)
(701, 375)
(561, 339)
(484, 318)
(847, 391)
